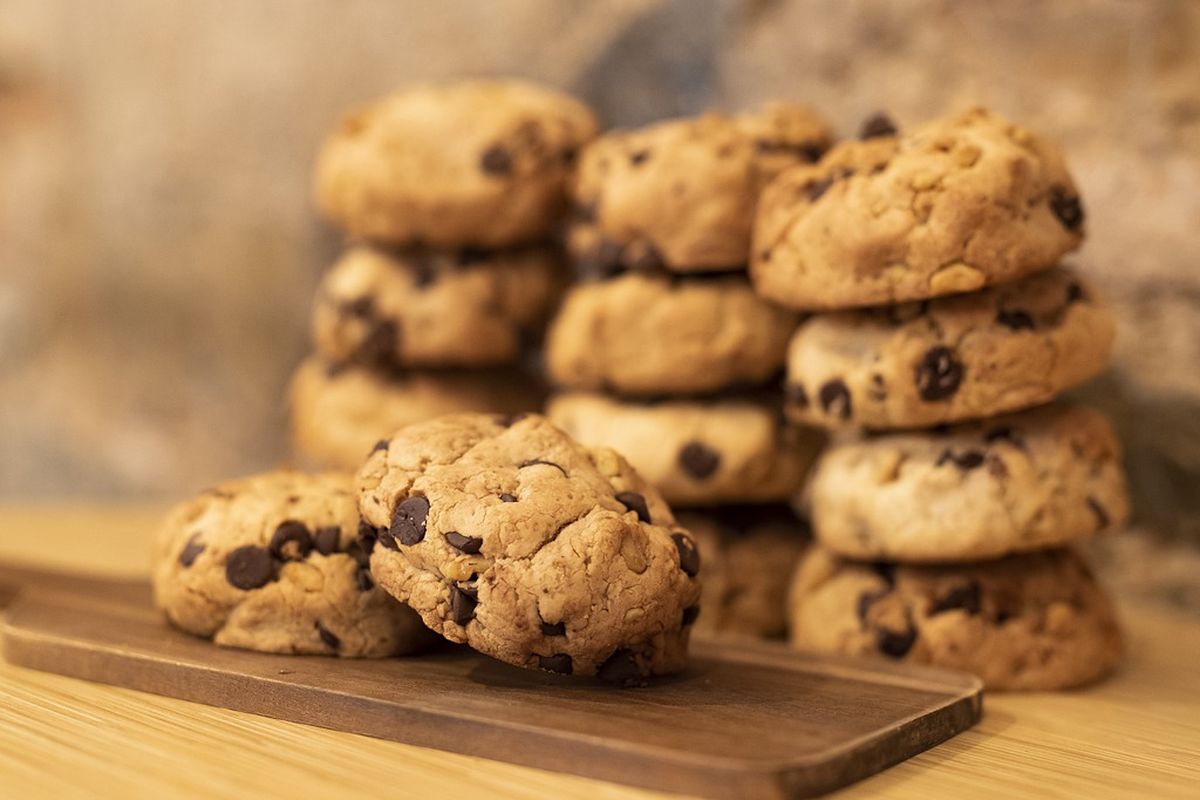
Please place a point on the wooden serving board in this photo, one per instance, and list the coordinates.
(744, 721)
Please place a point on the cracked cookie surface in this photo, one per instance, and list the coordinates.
(1034, 621)
(433, 309)
(469, 163)
(954, 358)
(272, 563)
(638, 334)
(507, 535)
(338, 412)
(680, 194)
(963, 202)
(749, 553)
(697, 451)
(1025, 481)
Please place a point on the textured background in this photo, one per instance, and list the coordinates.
(158, 247)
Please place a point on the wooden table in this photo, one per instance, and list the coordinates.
(1136, 735)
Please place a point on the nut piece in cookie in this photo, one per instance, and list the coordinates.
(470, 163)
(958, 204)
(507, 535)
(1034, 621)
(272, 563)
(955, 358)
(1026, 481)
(680, 194)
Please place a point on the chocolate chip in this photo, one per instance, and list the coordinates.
(834, 396)
(464, 544)
(1075, 293)
(408, 520)
(367, 535)
(559, 662)
(885, 570)
(536, 461)
(508, 498)
(689, 556)
(939, 374)
(699, 460)
(996, 467)
(1016, 320)
(877, 126)
(326, 540)
(557, 629)
(467, 256)
(462, 606)
(638, 157)
(249, 567)
(814, 189)
(1102, 518)
(796, 394)
(359, 553)
(635, 502)
(1067, 208)
(621, 667)
(361, 307)
(960, 598)
(379, 344)
(387, 539)
(690, 614)
(190, 551)
(363, 578)
(382, 444)
(331, 641)
(291, 541)
(966, 461)
(1004, 433)
(496, 161)
(895, 644)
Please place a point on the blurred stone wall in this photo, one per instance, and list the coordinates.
(158, 247)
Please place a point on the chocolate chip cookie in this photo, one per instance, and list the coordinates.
(507, 535)
(272, 563)
(696, 452)
(642, 334)
(1008, 347)
(1025, 481)
(963, 202)
(339, 412)
(471, 163)
(433, 309)
(680, 194)
(1034, 621)
(749, 554)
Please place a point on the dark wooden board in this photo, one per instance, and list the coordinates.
(745, 721)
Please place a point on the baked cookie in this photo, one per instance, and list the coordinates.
(272, 563)
(1034, 621)
(920, 364)
(472, 163)
(339, 412)
(696, 452)
(1025, 481)
(680, 194)
(749, 554)
(642, 334)
(424, 309)
(964, 202)
(505, 534)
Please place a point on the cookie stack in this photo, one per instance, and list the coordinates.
(664, 351)
(451, 196)
(945, 331)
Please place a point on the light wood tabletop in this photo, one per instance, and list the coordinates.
(1136, 735)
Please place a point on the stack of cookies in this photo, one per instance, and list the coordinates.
(451, 196)
(945, 332)
(664, 351)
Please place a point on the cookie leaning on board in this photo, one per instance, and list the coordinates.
(507, 535)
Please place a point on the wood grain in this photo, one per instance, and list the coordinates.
(752, 721)
(1135, 735)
